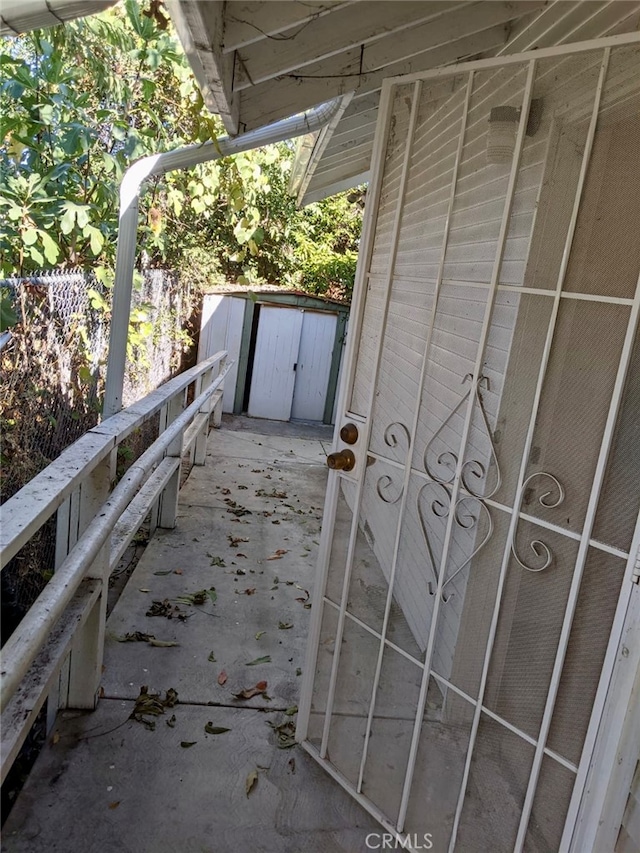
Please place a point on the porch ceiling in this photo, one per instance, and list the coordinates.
(258, 62)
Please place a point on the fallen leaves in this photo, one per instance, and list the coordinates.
(260, 493)
(249, 692)
(199, 597)
(210, 729)
(234, 541)
(251, 782)
(217, 561)
(260, 634)
(285, 733)
(211, 657)
(249, 591)
(277, 555)
(185, 744)
(150, 704)
(166, 608)
(236, 509)
(264, 659)
(284, 626)
(140, 637)
(222, 678)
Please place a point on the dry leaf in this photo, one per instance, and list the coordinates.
(250, 692)
(114, 805)
(277, 554)
(185, 744)
(249, 591)
(55, 738)
(222, 678)
(178, 572)
(252, 779)
(162, 644)
(210, 729)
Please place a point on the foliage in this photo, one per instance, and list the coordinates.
(80, 103)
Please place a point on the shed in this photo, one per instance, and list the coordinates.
(287, 347)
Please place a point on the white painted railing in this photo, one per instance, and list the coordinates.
(56, 651)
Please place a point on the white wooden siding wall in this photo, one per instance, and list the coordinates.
(568, 92)
(221, 329)
(629, 838)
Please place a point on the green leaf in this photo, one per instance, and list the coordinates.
(68, 219)
(8, 316)
(265, 659)
(212, 657)
(30, 236)
(36, 255)
(51, 248)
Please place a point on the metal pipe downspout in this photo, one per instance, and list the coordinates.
(160, 164)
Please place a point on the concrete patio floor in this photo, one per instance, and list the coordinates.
(248, 526)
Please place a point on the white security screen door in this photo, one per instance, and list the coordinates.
(475, 561)
(276, 353)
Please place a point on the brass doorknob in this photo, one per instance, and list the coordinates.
(342, 460)
(349, 433)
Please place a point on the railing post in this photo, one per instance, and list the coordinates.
(217, 406)
(80, 678)
(200, 446)
(168, 501)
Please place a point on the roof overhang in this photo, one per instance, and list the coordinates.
(258, 62)
(22, 16)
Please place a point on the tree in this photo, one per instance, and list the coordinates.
(79, 103)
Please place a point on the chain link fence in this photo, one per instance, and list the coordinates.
(52, 373)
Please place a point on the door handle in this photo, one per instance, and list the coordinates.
(349, 433)
(342, 460)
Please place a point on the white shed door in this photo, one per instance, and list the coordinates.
(276, 354)
(475, 564)
(313, 366)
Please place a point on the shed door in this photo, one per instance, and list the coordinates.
(474, 564)
(276, 354)
(313, 365)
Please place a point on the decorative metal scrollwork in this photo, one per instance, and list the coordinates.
(395, 434)
(463, 517)
(540, 549)
(442, 468)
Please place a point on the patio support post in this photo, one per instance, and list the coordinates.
(159, 164)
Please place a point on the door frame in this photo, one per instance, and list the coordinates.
(600, 782)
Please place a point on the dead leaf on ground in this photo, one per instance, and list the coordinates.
(265, 659)
(272, 494)
(166, 608)
(165, 572)
(222, 678)
(199, 597)
(212, 657)
(151, 704)
(171, 721)
(136, 637)
(292, 764)
(234, 541)
(178, 572)
(210, 729)
(217, 561)
(225, 491)
(185, 744)
(277, 554)
(55, 738)
(260, 634)
(291, 711)
(162, 644)
(242, 555)
(114, 805)
(284, 626)
(250, 784)
(250, 591)
(250, 692)
(285, 733)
